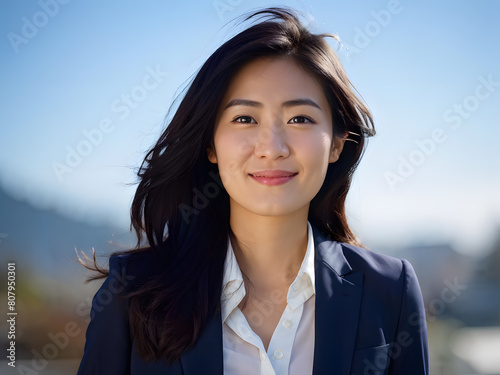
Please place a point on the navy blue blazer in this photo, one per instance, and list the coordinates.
(369, 319)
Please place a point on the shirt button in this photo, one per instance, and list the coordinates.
(278, 354)
(287, 323)
(263, 355)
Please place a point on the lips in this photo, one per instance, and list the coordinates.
(273, 173)
(272, 177)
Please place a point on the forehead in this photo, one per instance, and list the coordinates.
(279, 78)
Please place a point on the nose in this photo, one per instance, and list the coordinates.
(271, 142)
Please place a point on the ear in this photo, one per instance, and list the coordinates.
(212, 157)
(337, 147)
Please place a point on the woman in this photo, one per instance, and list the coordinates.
(250, 266)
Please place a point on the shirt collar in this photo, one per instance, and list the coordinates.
(301, 289)
(233, 289)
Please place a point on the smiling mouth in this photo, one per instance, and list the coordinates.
(273, 173)
(272, 177)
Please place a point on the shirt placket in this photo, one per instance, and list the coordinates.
(280, 347)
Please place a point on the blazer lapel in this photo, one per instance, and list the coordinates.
(206, 356)
(338, 299)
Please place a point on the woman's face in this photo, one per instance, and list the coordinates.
(273, 138)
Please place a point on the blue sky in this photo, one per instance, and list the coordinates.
(96, 79)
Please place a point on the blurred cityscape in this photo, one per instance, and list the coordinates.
(461, 293)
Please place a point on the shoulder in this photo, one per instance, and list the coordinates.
(345, 258)
(130, 269)
(381, 271)
(375, 263)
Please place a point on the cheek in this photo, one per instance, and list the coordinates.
(315, 151)
(232, 148)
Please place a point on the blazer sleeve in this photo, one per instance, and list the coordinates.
(409, 352)
(108, 345)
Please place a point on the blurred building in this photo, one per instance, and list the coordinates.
(462, 298)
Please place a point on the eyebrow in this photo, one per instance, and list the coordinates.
(287, 104)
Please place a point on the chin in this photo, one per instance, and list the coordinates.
(274, 209)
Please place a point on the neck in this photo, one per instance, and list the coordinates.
(269, 249)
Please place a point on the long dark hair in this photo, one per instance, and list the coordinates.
(181, 209)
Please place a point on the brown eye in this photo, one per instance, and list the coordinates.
(301, 120)
(244, 120)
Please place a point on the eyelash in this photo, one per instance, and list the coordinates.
(308, 120)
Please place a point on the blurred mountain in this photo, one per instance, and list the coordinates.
(44, 241)
(50, 289)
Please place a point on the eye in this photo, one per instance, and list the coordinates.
(244, 120)
(301, 120)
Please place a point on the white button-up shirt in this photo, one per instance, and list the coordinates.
(291, 349)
